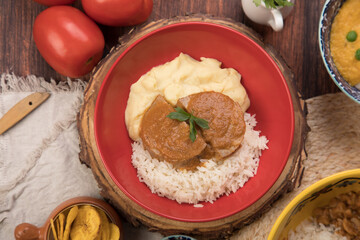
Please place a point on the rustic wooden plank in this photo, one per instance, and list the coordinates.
(297, 42)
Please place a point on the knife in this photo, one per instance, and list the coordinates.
(22, 109)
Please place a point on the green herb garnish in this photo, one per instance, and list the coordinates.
(273, 3)
(183, 116)
(351, 36)
(357, 54)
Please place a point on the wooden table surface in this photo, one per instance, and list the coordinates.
(297, 42)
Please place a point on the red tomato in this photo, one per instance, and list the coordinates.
(118, 12)
(68, 40)
(54, 2)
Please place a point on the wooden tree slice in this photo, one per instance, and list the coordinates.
(137, 215)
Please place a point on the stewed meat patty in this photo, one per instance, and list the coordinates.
(226, 122)
(168, 139)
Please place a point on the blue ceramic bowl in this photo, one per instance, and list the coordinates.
(330, 9)
(178, 237)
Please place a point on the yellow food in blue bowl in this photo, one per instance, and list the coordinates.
(339, 43)
(345, 42)
(318, 195)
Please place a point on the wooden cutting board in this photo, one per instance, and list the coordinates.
(223, 228)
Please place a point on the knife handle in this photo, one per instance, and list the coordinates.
(21, 109)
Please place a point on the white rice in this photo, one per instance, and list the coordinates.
(309, 229)
(211, 180)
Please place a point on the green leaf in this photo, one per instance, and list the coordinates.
(201, 123)
(192, 130)
(286, 3)
(180, 110)
(178, 116)
(273, 3)
(183, 116)
(257, 2)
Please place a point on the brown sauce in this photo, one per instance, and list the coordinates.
(167, 139)
(226, 122)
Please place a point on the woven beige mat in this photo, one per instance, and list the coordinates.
(333, 145)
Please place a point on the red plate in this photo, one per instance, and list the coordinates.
(268, 92)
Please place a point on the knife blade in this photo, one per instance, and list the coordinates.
(22, 109)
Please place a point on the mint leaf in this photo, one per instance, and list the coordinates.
(183, 116)
(178, 116)
(283, 3)
(273, 3)
(201, 123)
(180, 110)
(257, 2)
(193, 132)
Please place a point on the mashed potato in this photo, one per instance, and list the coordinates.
(179, 78)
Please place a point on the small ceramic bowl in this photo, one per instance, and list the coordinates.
(26, 231)
(266, 16)
(330, 9)
(317, 195)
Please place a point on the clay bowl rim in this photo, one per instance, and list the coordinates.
(83, 200)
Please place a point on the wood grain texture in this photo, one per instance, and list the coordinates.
(297, 42)
(217, 229)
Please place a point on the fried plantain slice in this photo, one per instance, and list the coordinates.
(86, 224)
(53, 229)
(105, 227)
(114, 232)
(57, 226)
(70, 218)
(61, 221)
